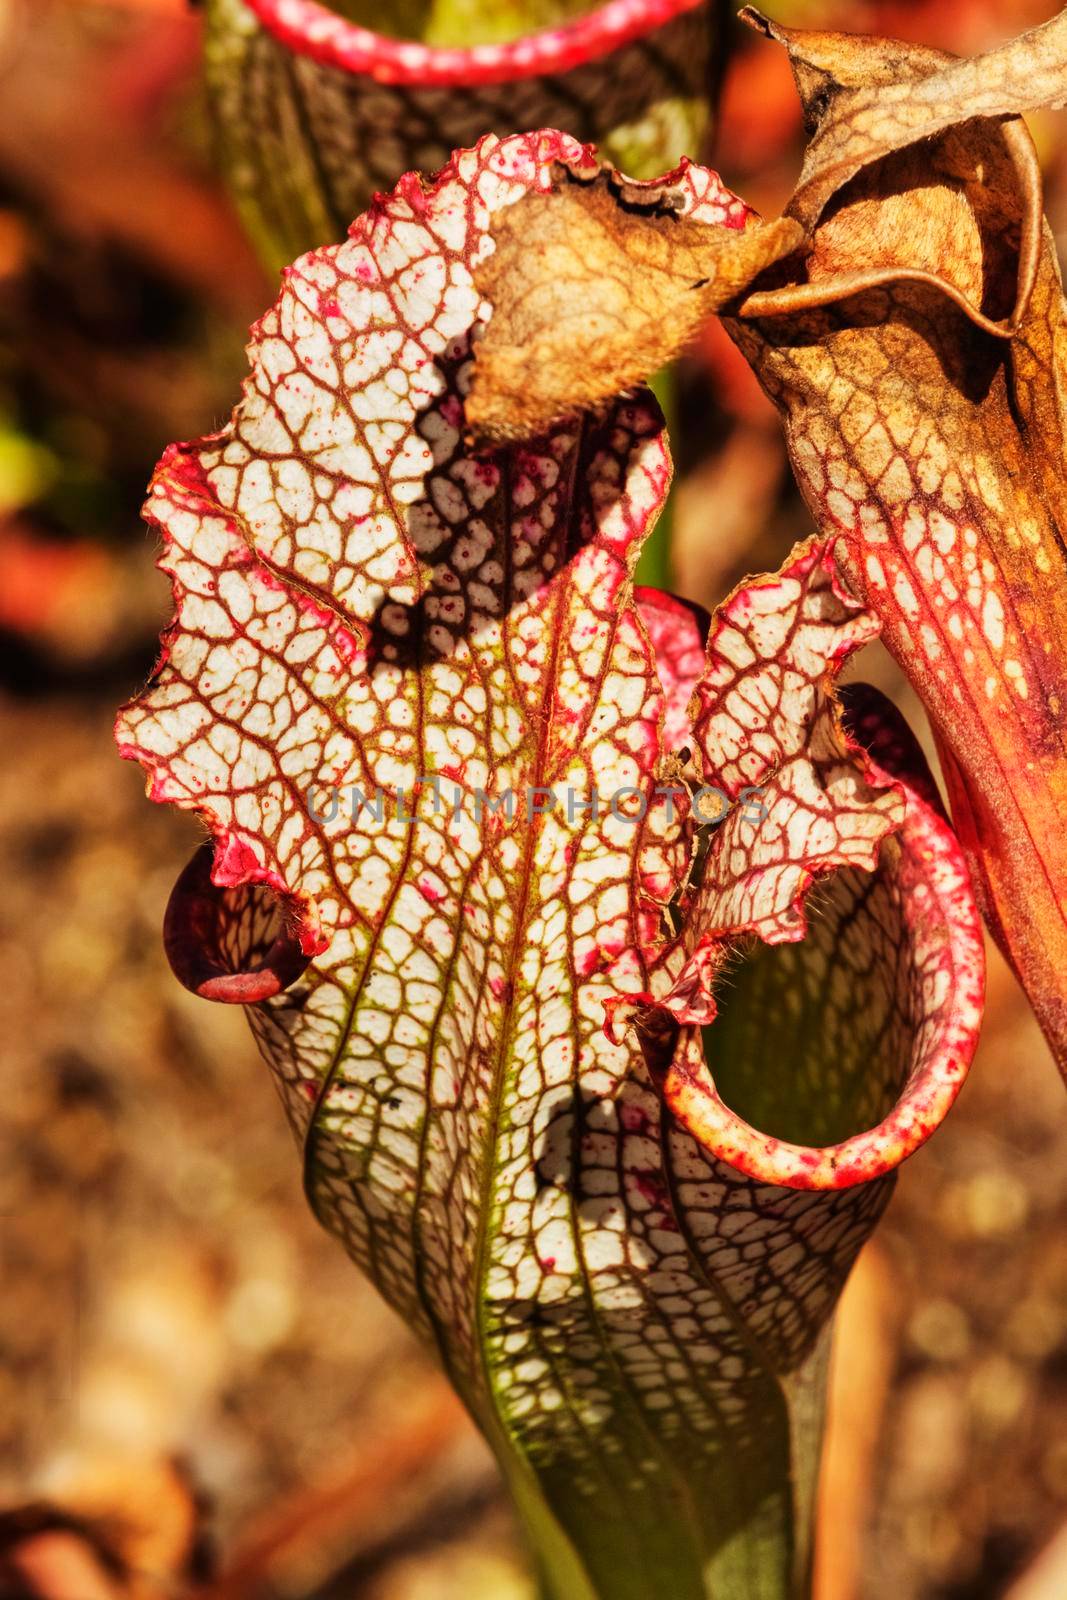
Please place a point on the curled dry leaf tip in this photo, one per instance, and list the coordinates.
(602, 281)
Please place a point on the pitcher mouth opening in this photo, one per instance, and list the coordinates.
(310, 28)
(232, 945)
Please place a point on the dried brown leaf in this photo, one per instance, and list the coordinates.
(868, 97)
(918, 354)
(600, 282)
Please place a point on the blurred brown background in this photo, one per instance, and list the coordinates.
(198, 1394)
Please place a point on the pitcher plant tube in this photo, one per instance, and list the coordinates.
(316, 106)
(488, 828)
(916, 344)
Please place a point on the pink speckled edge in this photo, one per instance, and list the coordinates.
(940, 893)
(311, 29)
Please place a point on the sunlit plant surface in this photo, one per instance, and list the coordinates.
(608, 959)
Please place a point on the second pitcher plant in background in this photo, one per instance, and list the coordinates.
(317, 106)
